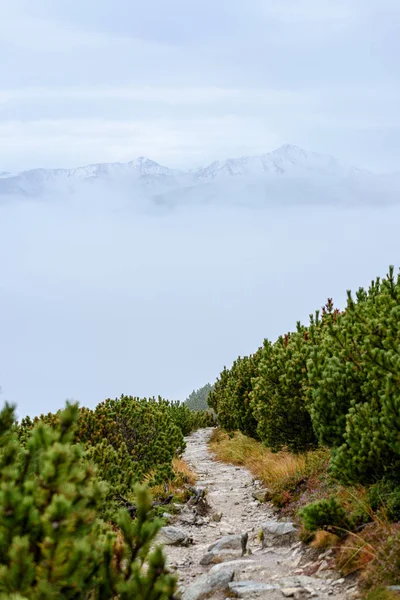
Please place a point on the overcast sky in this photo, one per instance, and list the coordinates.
(99, 300)
(188, 81)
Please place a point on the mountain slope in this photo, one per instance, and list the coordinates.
(288, 174)
(37, 181)
(286, 160)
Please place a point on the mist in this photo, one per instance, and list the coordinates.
(101, 298)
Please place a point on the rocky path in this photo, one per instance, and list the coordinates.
(220, 553)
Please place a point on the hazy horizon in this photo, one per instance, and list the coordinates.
(101, 303)
(194, 165)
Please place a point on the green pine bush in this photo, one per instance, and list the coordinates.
(238, 392)
(53, 545)
(219, 403)
(186, 419)
(279, 394)
(230, 397)
(384, 496)
(129, 440)
(355, 380)
(325, 514)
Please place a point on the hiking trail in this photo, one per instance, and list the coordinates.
(243, 563)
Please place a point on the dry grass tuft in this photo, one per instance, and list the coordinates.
(275, 470)
(265, 465)
(382, 593)
(325, 539)
(355, 553)
(375, 551)
(183, 475)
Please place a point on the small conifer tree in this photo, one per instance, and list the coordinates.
(53, 545)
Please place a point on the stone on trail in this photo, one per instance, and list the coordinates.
(251, 589)
(237, 565)
(172, 536)
(207, 584)
(231, 542)
(278, 533)
(168, 517)
(227, 548)
(187, 516)
(301, 581)
(295, 592)
(263, 495)
(217, 517)
(219, 556)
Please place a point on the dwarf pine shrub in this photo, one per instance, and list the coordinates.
(53, 545)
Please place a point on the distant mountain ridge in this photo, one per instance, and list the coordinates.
(285, 174)
(284, 160)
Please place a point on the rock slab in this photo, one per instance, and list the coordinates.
(207, 584)
(278, 533)
(172, 536)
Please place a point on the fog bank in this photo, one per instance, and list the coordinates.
(102, 300)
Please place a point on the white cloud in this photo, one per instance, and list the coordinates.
(71, 142)
(312, 72)
(176, 95)
(311, 11)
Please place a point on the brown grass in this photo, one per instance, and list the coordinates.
(275, 470)
(375, 551)
(325, 539)
(183, 475)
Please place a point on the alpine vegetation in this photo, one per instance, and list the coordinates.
(329, 388)
(76, 520)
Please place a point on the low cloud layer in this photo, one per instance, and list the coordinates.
(100, 303)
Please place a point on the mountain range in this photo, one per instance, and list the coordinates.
(288, 174)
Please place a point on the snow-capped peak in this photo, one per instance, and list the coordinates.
(146, 166)
(285, 160)
(289, 150)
